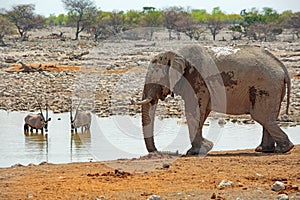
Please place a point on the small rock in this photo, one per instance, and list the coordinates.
(222, 122)
(10, 59)
(295, 187)
(17, 165)
(44, 163)
(283, 197)
(101, 197)
(166, 165)
(248, 121)
(240, 185)
(285, 118)
(154, 197)
(225, 183)
(277, 186)
(213, 196)
(234, 120)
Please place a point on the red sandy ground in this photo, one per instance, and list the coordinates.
(47, 67)
(54, 68)
(185, 178)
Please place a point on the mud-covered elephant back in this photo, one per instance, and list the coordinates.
(203, 63)
(199, 58)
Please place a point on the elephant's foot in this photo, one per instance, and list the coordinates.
(205, 147)
(265, 149)
(283, 147)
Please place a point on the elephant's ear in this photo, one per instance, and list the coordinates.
(176, 70)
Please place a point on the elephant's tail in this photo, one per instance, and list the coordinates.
(287, 82)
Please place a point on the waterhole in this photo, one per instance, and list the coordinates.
(114, 138)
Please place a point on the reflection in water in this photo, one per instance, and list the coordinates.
(79, 141)
(36, 144)
(113, 138)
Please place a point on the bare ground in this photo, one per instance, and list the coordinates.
(185, 178)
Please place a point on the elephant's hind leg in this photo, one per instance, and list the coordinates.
(265, 111)
(273, 133)
(267, 144)
(283, 144)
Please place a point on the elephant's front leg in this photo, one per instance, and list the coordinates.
(200, 145)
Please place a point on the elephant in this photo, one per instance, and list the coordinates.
(244, 79)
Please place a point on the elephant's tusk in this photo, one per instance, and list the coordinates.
(145, 101)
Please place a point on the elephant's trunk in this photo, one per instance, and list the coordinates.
(148, 115)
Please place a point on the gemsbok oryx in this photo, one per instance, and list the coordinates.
(37, 121)
(81, 119)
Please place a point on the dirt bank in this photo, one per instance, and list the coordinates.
(252, 175)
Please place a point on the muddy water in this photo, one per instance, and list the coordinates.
(113, 138)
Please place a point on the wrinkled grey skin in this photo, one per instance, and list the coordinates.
(248, 81)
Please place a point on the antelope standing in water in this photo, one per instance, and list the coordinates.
(37, 121)
(81, 119)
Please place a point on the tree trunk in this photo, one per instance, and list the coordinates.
(76, 35)
(178, 35)
(77, 29)
(170, 34)
(151, 34)
(214, 33)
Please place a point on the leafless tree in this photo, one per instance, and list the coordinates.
(264, 31)
(293, 22)
(152, 19)
(100, 28)
(81, 14)
(116, 22)
(216, 22)
(6, 28)
(24, 18)
(171, 17)
(187, 25)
